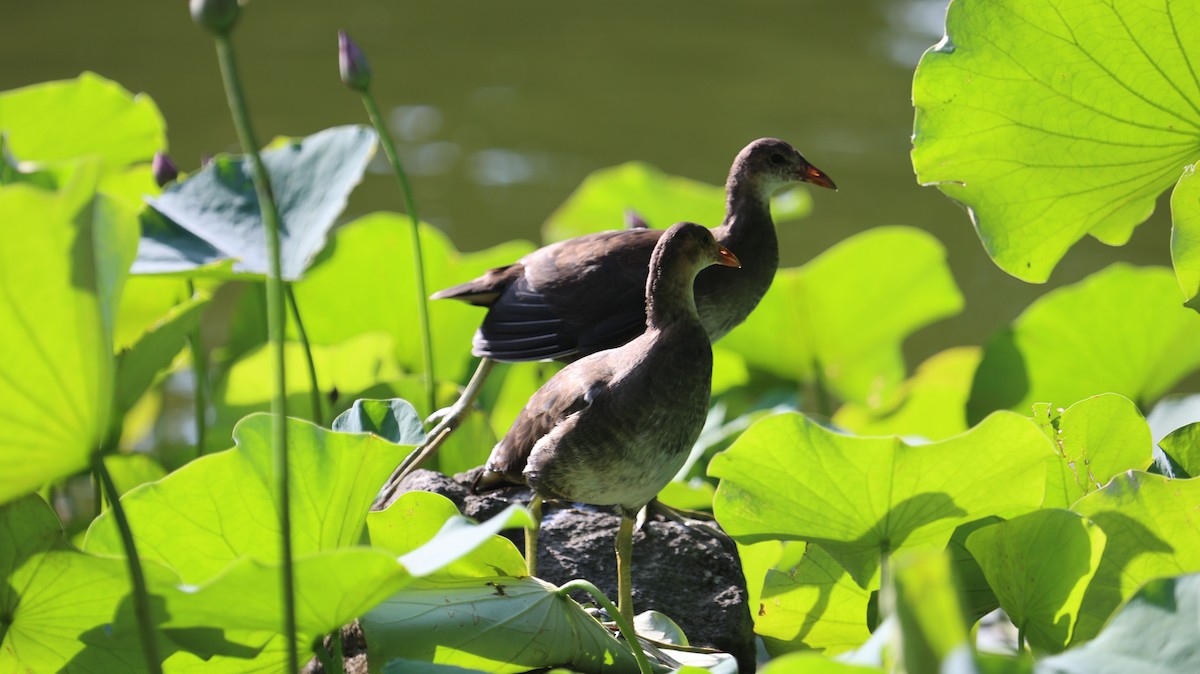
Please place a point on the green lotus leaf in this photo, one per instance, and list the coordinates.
(931, 404)
(1039, 565)
(848, 311)
(1155, 633)
(362, 366)
(605, 196)
(1185, 234)
(858, 498)
(416, 518)
(53, 123)
(811, 663)
(813, 605)
(61, 272)
(1096, 439)
(219, 508)
(139, 367)
(1127, 318)
(373, 254)
(1052, 120)
(501, 625)
(311, 178)
(393, 420)
(1182, 448)
(1152, 524)
(57, 601)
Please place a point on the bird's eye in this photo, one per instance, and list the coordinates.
(778, 159)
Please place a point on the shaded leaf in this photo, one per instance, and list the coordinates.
(848, 312)
(789, 478)
(501, 625)
(139, 367)
(601, 202)
(1128, 318)
(1057, 119)
(1039, 565)
(311, 179)
(393, 420)
(1154, 634)
(1152, 525)
(814, 605)
(1181, 450)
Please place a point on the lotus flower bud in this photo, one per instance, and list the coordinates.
(163, 168)
(352, 64)
(215, 16)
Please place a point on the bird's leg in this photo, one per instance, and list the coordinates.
(449, 419)
(624, 569)
(531, 535)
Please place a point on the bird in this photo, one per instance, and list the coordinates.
(612, 428)
(582, 295)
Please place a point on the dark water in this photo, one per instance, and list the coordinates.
(503, 107)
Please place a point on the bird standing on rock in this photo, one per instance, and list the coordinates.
(575, 297)
(614, 427)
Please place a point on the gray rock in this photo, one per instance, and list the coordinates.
(688, 574)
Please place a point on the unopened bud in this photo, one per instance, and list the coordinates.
(352, 64)
(163, 168)
(215, 16)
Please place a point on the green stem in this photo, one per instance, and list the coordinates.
(141, 598)
(313, 388)
(200, 374)
(276, 317)
(1020, 639)
(410, 205)
(623, 625)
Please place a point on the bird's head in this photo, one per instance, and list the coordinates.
(769, 164)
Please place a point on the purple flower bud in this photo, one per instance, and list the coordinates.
(215, 16)
(352, 64)
(164, 169)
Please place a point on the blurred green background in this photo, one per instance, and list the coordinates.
(502, 108)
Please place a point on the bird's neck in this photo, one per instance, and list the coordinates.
(748, 225)
(670, 301)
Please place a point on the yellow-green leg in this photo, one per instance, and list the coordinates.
(624, 568)
(531, 535)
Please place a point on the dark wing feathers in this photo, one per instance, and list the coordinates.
(563, 301)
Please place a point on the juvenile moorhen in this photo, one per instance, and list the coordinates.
(614, 427)
(582, 295)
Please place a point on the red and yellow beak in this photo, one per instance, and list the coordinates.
(726, 258)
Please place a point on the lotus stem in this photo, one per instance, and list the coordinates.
(314, 389)
(200, 374)
(410, 205)
(625, 626)
(276, 319)
(141, 598)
